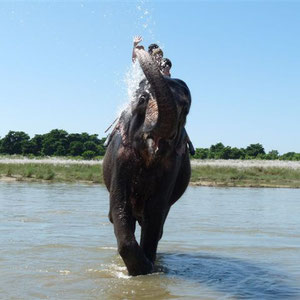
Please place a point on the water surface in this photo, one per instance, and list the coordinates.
(219, 243)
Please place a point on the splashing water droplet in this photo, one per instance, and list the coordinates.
(133, 77)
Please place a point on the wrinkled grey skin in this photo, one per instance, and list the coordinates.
(146, 168)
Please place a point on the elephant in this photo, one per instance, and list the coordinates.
(146, 168)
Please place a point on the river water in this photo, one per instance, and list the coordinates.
(219, 243)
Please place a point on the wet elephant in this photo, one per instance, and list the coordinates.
(146, 167)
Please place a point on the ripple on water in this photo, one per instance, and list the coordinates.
(234, 277)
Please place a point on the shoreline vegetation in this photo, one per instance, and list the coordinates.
(217, 173)
(59, 142)
(59, 156)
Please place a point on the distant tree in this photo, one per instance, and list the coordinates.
(76, 148)
(101, 150)
(225, 153)
(74, 137)
(290, 156)
(94, 138)
(219, 151)
(102, 141)
(273, 154)
(201, 153)
(28, 148)
(14, 142)
(60, 149)
(85, 137)
(38, 143)
(215, 151)
(88, 154)
(217, 147)
(34, 146)
(90, 146)
(55, 142)
(237, 153)
(254, 149)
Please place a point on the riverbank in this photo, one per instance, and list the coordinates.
(273, 177)
(234, 173)
(51, 172)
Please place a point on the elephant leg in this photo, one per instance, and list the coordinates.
(151, 233)
(131, 253)
(164, 220)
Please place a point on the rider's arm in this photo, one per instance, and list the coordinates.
(136, 41)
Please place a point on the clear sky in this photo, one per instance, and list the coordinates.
(63, 64)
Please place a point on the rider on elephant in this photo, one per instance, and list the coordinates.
(164, 65)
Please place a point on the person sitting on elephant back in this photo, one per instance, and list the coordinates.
(165, 65)
(153, 50)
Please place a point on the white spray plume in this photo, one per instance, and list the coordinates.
(133, 77)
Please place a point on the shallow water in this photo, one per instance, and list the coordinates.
(219, 243)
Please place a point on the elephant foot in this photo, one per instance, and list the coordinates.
(143, 269)
(135, 260)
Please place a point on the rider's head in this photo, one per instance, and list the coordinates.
(157, 54)
(166, 63)
(165, 66)
(151, 48)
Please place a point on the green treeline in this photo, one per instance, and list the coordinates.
(253, 151)
(61, 143)
(55, 143)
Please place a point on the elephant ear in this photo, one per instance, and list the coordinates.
(162, 116)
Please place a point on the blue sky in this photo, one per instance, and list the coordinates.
(63, 64)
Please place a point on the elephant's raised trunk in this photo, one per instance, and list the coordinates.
(165, 126)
